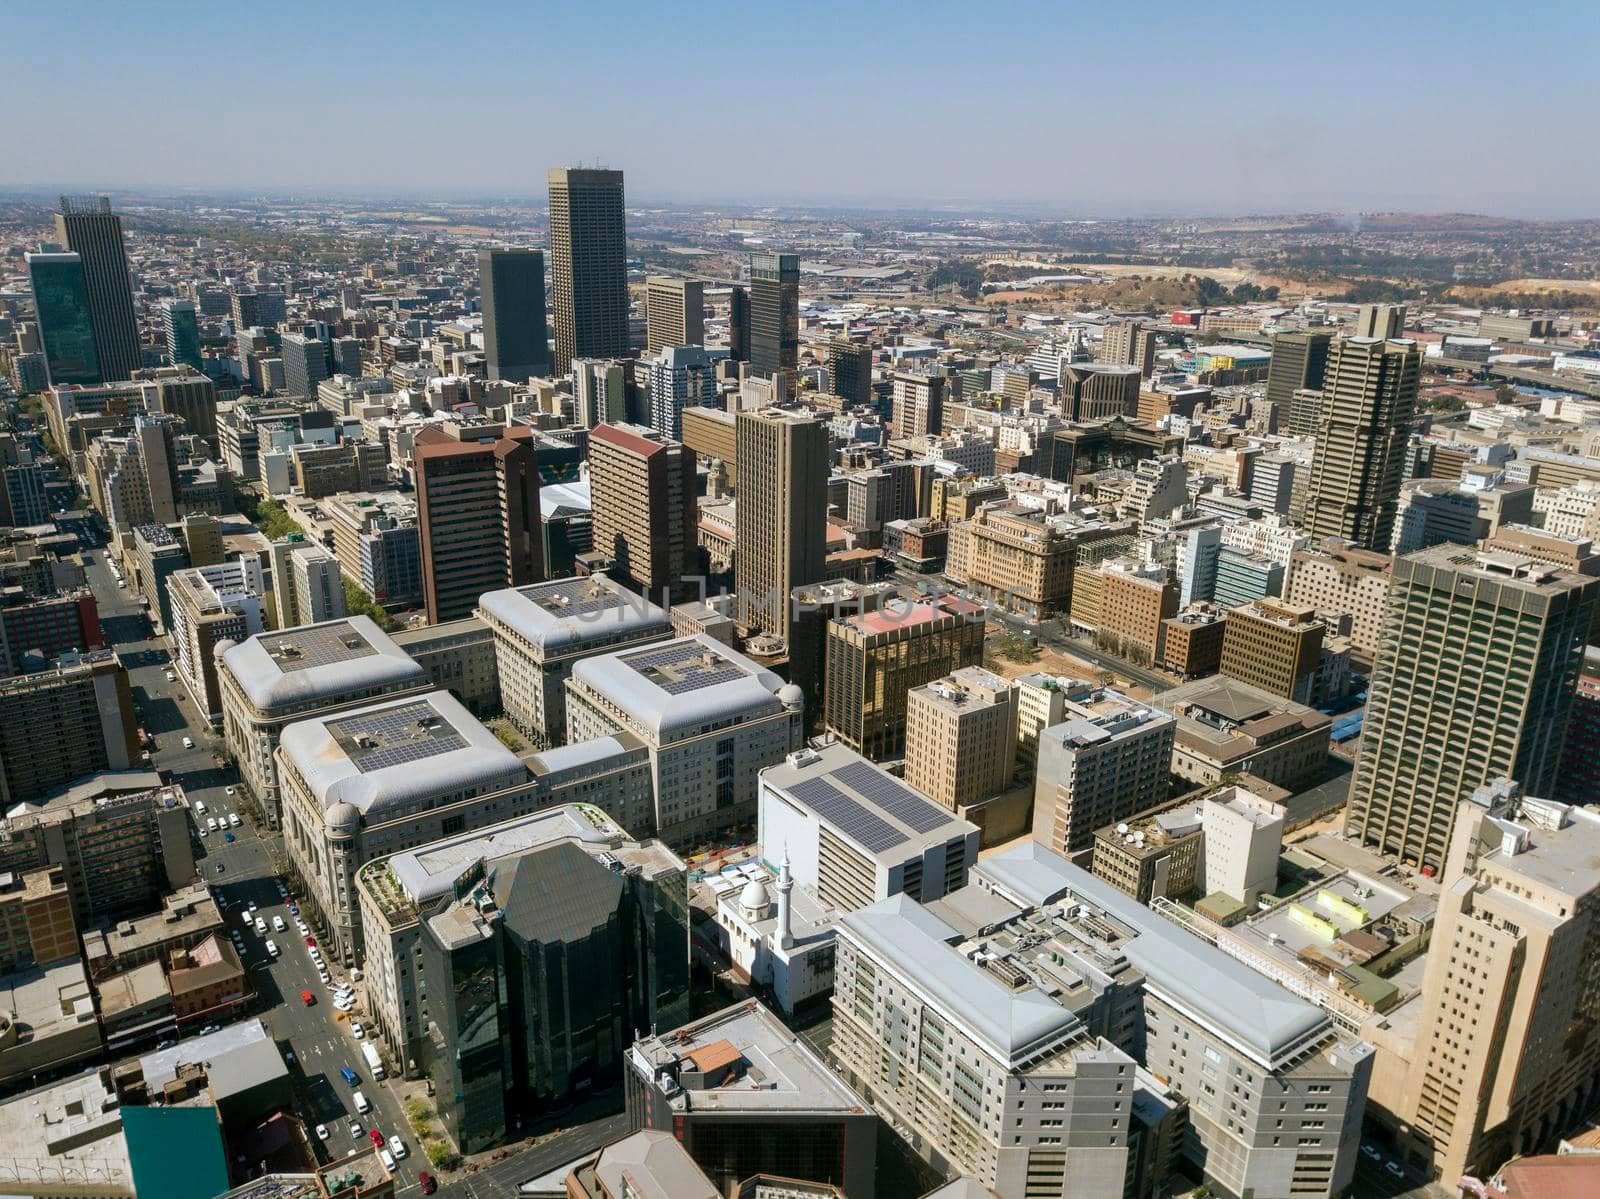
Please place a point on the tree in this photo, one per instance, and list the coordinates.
(358, 603)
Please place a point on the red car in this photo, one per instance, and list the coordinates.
(311, 942)
(427, 1183)
(307, 998)
(377, 1138)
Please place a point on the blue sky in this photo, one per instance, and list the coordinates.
(1099, 109)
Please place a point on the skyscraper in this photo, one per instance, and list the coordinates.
(478, 512)
(738, 324)
(511, 290)
(1299, 360)
(193, 397)
(774, 314)
(674, 313)
(94, 233)
(182, 328)
(1369, 391)
(1383, 321)
(66, 324)
(850, 370)
(1129, 343)
(599, 391)
(780, 537)
(918, 403)
(588, 265)
(680, 377)
(305, 364)
(642, 487)
(1477, 667)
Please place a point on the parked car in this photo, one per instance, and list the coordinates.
(322, 1132)
(397, 1146)
(188, 743)
(426, 1183)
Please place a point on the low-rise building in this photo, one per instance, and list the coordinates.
(459, 656)
(185, 919)
(542, 630)
(49, 1020)
(1228, 727)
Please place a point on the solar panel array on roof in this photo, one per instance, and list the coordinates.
(893, 796)
(394, 737)
(686, 667)
(874, 833)
(319, 645)
(578, 597)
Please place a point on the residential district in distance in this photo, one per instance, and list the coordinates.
(579, 700)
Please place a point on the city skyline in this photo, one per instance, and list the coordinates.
(1243, 127)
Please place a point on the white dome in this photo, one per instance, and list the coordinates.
(791, 695)
(342, 818)
(754, 897)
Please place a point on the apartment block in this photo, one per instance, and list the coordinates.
(1275, 646)
(62, 723)
(1337, 578)
(642, 486)
(961, 737)
(212, 607)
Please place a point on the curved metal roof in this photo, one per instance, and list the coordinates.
(562, 614)
(304, 665)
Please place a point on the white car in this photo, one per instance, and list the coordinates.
(233, 819)
(355, 1129)
(272, 947)
(211, 823)
(343, 1005)
(357, 1031)
(397, 1146)
(322, 1132)
(171, 678)
(278, 925)
(316, 954)
(305, 929)
(188, 743)
(261, 926)
(200, 806)
(203, 831)
(324, 976)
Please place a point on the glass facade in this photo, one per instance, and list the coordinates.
(65, 326)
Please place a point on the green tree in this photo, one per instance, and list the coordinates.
(358, 603)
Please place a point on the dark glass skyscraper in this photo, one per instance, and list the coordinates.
(94, 233)
(182, 328)
(588, 265)
(774, 314)
(511, 290)
(66, 326)
(739, 324)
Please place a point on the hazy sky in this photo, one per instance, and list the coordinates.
(1099, 109)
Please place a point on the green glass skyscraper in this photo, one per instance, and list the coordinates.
(65, 327)
(93, 232)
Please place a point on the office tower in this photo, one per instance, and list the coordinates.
(918, 404)
(599, 392)
(704, 1090)
(1385, 322)
(271, 680)
(478, 512)
(674, 313)
(738, 324)
(711, 719)
(1093, 391)
(1243, 838)
(1369, 392)
(1243, 577)
(212, 605)
(780, 542)
(1273, 645)
(1506, 1052)
(516, 344)
(680, 377)
(1299, 359)
(1477, 667)
(1337, 578)
(642, 487)
(182, 329)
(69, 720)
(66, 320)
(305, 365)
(1106, 760)
(192, 398)
(318, 584)
(961, 737)
(541, 631)
(850, 370)
(588, 265)
(872, 659)
(1129, 343)
(93, 232)
(774, 314)
(1040, 702)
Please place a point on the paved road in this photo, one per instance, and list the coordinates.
(240, 872)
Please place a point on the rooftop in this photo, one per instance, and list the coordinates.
(391, 755)
(863, 803)
(566, 614)
(70, 1130)
(774, 1070)
(319, 663)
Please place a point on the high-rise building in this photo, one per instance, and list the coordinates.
(1369, 391)
(1382, 321)
(588, 265)
(961, 737)
(774, 314)
(305, 364)
(1299, 359)
(872, 659)
(516, 343)
(1273, 645)
(318, 584)
(680, 377)
(1477, 667)
(918, 403)
(211, 605)
(182, 328)
(60, 724)
(193, 397)
(599, 392)
(1129, 343)
(642, 487)
(738, 324)
(66, 320)
(1094, 391)
(674, 313)
(1106, 760)
(93, 232)
(1506, 1054)
(780, 542)
(478, 514)
(850, 370)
